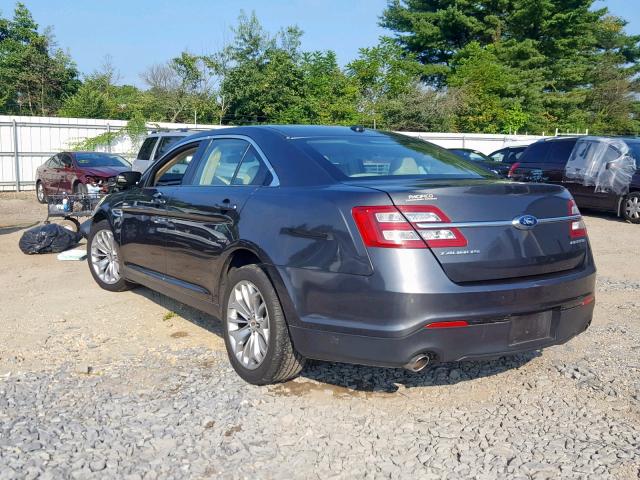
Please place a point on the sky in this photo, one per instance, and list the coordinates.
(140, 33)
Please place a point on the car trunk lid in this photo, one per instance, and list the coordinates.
(493, 218)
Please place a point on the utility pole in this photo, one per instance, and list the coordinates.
(16, 155)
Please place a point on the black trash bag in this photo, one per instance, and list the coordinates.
(48, 238)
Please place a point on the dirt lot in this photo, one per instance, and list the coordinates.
(96, 384)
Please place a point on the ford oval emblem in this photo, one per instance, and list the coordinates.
(525, 222)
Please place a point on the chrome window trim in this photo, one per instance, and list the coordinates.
(498, 223)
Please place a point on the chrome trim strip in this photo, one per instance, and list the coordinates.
(497, 223)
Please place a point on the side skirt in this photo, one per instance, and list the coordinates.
(159, 283)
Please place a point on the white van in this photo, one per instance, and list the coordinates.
(156, 144)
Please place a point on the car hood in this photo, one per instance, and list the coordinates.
(103, 171)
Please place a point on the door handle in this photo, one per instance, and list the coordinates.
(225, 205)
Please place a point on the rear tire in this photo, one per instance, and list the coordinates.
(631, 208)
(105, 261)
(255, 331)
(40, 195)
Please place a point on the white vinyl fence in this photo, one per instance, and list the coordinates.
(27, 142)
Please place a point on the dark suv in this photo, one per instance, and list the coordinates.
(601, 173)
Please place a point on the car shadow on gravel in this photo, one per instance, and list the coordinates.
(198, 318)
(389, 380)
(361, 378)
(16, 228)
(602, 215)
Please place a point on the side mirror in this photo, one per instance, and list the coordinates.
(128, 179)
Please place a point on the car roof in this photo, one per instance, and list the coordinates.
(75, 152)
(171, 133)
(292, 131)
(561, 139)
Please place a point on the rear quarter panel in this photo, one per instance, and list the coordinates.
(309, 227)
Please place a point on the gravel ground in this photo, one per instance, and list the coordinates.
(134, 385)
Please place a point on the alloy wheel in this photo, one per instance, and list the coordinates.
(104, 257)
(248, 324)
(632, 208)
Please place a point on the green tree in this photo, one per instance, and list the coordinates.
(34, 75)
(423, 108)
(330, 97)
(100, 96)
(179, 90)
(488, 85)
(263, 76)
(381, 73)
(561, 52)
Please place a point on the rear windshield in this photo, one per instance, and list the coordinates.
(471, 155)
(390, 155)
(96, 159)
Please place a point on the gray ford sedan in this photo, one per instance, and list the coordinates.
(350, 245)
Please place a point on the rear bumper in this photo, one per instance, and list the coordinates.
(380, 319)
(475, 342)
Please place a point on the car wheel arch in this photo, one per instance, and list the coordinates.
(252, 255)
(74, 184)
(236, 258)
(623, 199)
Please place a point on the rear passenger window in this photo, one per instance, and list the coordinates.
(147, 148)
(251, 171)
(560, 152)
(173, 171)
(536, 153)
(220, 162)
(514, 156)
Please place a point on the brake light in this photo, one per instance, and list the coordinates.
(577, 228)
(448, 324)
(414, 226)
(512, 169)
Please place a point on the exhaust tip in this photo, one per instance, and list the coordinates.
(418, 363)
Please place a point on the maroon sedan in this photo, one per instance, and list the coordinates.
(78, 172)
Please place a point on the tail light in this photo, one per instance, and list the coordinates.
(589, 299)
(512, 169)
(413, 226)
(577, 228)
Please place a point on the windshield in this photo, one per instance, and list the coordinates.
(387, 155)
(97, 159)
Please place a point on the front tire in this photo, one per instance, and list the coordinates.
(105, 261)
(255, 329)
(631, 208)
(40, 195)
